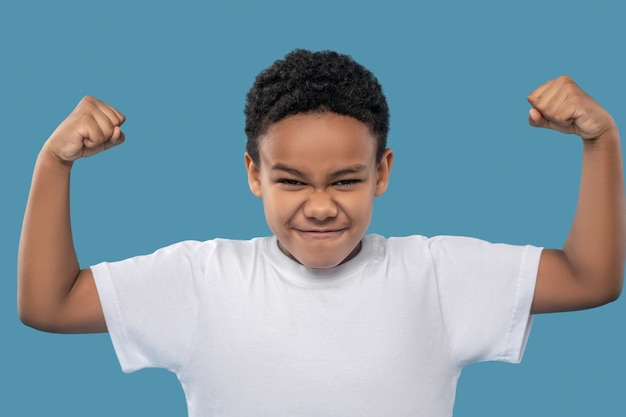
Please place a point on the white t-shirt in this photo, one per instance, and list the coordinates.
(249, 332)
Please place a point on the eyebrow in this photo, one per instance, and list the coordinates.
(355, 169)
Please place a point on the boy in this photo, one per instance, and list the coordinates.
(320, 319)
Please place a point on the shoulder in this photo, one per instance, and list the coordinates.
(206, 247)
(433, 244)
(189, 255)
(395, 242)
(451, 249)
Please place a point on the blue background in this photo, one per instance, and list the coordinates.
(456, 75)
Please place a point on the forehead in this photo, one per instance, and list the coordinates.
(318, 140)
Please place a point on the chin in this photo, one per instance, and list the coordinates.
(318, 258)
(321, 265)
(322, 262)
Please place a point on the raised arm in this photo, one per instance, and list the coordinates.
(54, 294)
(589, 270)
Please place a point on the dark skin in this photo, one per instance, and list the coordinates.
(56, 295)
(589, 270)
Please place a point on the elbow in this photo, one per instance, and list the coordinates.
(604, 285)
(618, 283)
(30, 318)
(612, 292)
(26, 310)
(615, 292)
(27, 319)
(35, 308)
(39, 322)
(33, 315)
(23, 311)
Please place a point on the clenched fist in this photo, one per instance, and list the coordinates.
(92, 127)
(560, 104)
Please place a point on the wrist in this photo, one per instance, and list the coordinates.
(605, 132)
(608, 141)
(48, 159)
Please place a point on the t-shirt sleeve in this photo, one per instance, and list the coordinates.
(150, 305)
(486, 291)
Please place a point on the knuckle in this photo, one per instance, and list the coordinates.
(88, 100)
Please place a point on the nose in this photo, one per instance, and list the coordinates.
(320, 206)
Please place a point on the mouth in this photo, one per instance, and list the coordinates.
(320, 233)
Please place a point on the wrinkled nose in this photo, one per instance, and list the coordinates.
(320, 206)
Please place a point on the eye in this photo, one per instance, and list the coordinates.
(347, 183)
(290, 183)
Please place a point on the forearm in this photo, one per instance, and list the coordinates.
(47, 261)
(596, 245)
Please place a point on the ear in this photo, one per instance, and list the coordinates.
(383, 171)
(254, 175)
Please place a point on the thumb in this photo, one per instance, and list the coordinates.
(117, 138)
(535, 118)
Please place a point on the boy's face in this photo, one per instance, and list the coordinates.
(318, 177)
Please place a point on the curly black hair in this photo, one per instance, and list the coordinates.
(306, 81)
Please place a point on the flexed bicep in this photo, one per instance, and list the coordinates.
(54, 294)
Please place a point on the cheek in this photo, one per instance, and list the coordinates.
(279, 206)
(357, 205)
